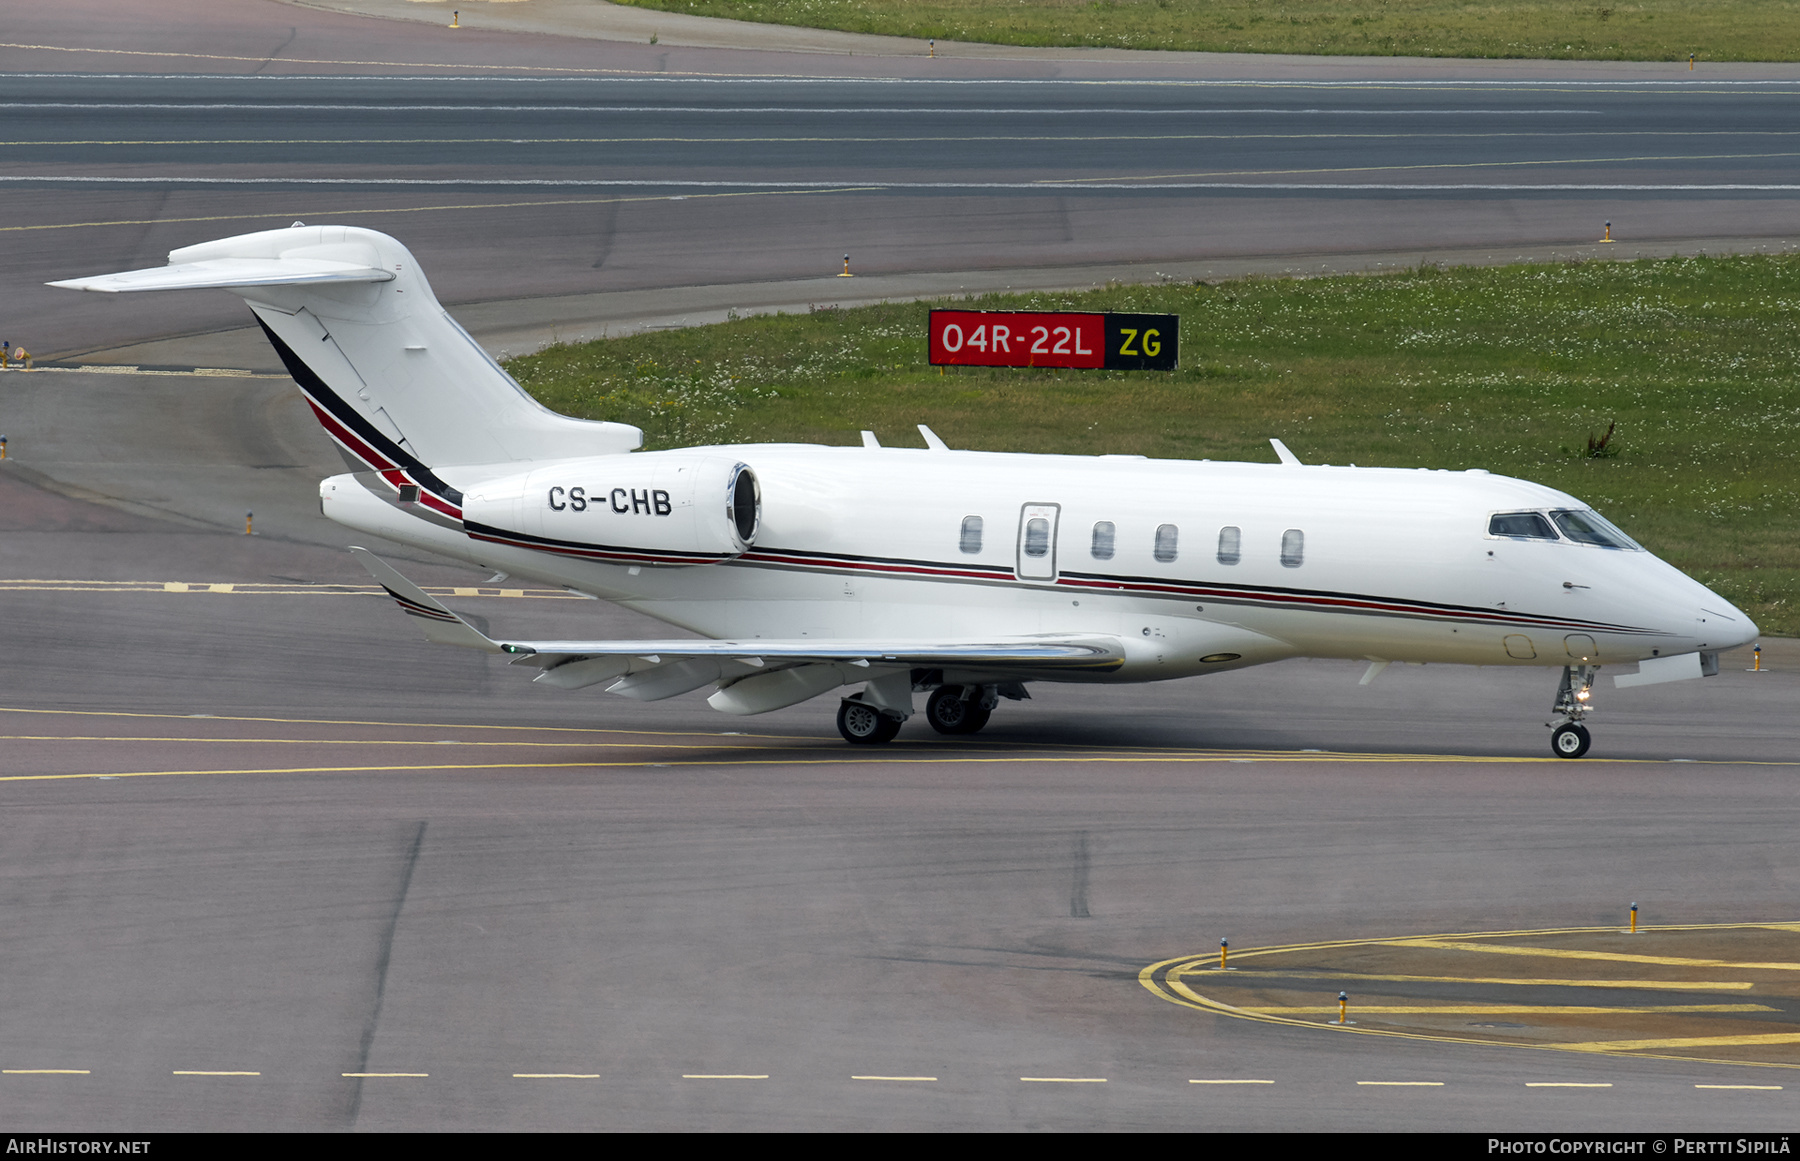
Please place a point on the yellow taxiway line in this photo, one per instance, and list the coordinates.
(1504, 1010)
(1167, 979)
(1577, 953)
(1304, 975)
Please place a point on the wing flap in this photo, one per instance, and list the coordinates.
(1048, 652)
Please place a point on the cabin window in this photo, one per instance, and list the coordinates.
(1166, 535)
(1590, 528)
(1521, 526)
(971, 535)
(1231, 545)
(1293, 548)
(1037, 537)
(1104, 536)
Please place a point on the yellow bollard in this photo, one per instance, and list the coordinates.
(1634, 919)
(1224, 947)
(455, 20)
(1690, 62)
(846, 273)
(247, 516)
(933, 47)
(1609, 236)
(1755, 668)
(2, 447)
(1343, 1007)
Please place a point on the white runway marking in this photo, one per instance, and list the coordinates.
(586, 77)
(878, 110)
(1058, 185)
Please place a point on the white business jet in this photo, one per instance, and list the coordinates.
(963, 574)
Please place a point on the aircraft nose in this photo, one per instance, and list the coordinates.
(1719, 624)
(1726, 627)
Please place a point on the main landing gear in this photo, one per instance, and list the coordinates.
(1570, 738)
(864, 725)
(951, 709)
(961, 709)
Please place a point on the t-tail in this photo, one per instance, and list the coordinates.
(393, 378)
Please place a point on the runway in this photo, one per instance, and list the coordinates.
(272, 862)
(552, 173)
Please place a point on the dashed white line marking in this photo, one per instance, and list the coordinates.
(201, 1072)
(1564, 1084)
(1746, 1087)
(1231, 1082)
(1402, 1083)
(724, 1076)
(45, 1071)
(363, 1075)
(556, 1076)
(893, 1078)
(1063, 1079)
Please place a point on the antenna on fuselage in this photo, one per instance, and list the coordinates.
(1282, 453)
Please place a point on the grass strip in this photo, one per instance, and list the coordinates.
(1721, 30)
(1689, 361)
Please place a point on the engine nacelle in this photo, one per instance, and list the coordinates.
(656, 508)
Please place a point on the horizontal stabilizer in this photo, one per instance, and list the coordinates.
(223, 273)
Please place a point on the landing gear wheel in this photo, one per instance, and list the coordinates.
(1571, 740)
(864, 725)
(950, 713)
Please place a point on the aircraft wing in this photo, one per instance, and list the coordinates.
(1047, 652)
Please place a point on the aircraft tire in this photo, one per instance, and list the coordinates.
(949, 713)
(1571, 740)
(864, 725)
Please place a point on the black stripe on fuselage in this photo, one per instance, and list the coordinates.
(1267, 596)
(583, 549)
(353, 420)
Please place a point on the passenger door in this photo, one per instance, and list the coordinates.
(1037, 541)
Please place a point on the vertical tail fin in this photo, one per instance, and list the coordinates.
(398, 384)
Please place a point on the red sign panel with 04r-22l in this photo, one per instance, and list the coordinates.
(1028, 338)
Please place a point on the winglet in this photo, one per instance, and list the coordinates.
(1282, 453)
(931, 439)
(441, 625)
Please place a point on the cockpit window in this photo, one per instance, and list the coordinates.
(1585, 527)
(1523, 525)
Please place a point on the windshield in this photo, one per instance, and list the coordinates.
(1588, 527)
(1522, 525)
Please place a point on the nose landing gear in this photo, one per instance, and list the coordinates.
(1570, 738)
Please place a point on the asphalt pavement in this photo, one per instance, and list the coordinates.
(527, 178)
